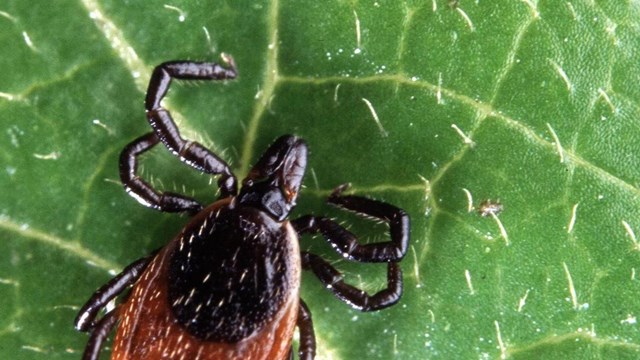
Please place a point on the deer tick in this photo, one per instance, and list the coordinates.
(227, 286)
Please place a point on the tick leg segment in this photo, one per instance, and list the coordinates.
(358, 299)
(307, 348)
(85, 320)
(185, 70)
(98, 335)
(141, 190)
(190, 152)
(346, 242)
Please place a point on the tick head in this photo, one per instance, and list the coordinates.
(273, 183)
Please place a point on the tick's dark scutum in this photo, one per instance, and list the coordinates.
(229, 274)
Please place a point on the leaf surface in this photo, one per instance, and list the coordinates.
(433, 106)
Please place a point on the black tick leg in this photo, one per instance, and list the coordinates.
(141, 190)
(346, 243)
(85, 320)
(98, 335)
(307, 349)
(358, 299)
(166, 131)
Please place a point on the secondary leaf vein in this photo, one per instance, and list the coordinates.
(67, 246)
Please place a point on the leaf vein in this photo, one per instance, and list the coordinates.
(115, 37)
(484, 110)
(70, 247)
(270, 82)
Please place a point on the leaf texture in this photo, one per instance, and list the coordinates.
(435, 106)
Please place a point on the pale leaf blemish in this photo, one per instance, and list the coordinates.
(523, 301)
(212, 47)
(466, 18)
(611, 31)
(11, 282)
(427, 187)
(427, 194)
(15, 133)
(467, 276)
(102, 125)
(466, 139)
(335, 93)
(358, 34)
(434, 5)
(633, 274)
(8, 16)
(572, 289)
(374, 114)
(34, 349)
(28, 41)
(181, 14)
(315, 179)
(501, 345)
(272, 44)
(469, 200)
(573, 11)
(632, 235)
(269, 106)
(556, 140)
(503, 231)
(602, 94)
(432, 315)
(630, 320)
(439, 90)
(572, 220)
(563, 75)
(416, 267)
(533, 6)
(206, 34)
(395, 343)
(112, 181)
(54, 155)
(10, 97)
(228, 59)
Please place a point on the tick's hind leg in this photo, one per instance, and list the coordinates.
(190, 152)
(85, 320)
(358, 299)
(98, 335)
(347, 243)
(307, 348)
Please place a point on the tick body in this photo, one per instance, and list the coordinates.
(227, 286)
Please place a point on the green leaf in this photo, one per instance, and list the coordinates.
(433, 106)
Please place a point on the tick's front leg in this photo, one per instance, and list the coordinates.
(143, 191)
(190, 152)
(357, 298)
(346, 243)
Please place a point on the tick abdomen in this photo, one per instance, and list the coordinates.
(231, 270)
(202, 299)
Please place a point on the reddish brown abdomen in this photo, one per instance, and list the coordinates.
(149, 328)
